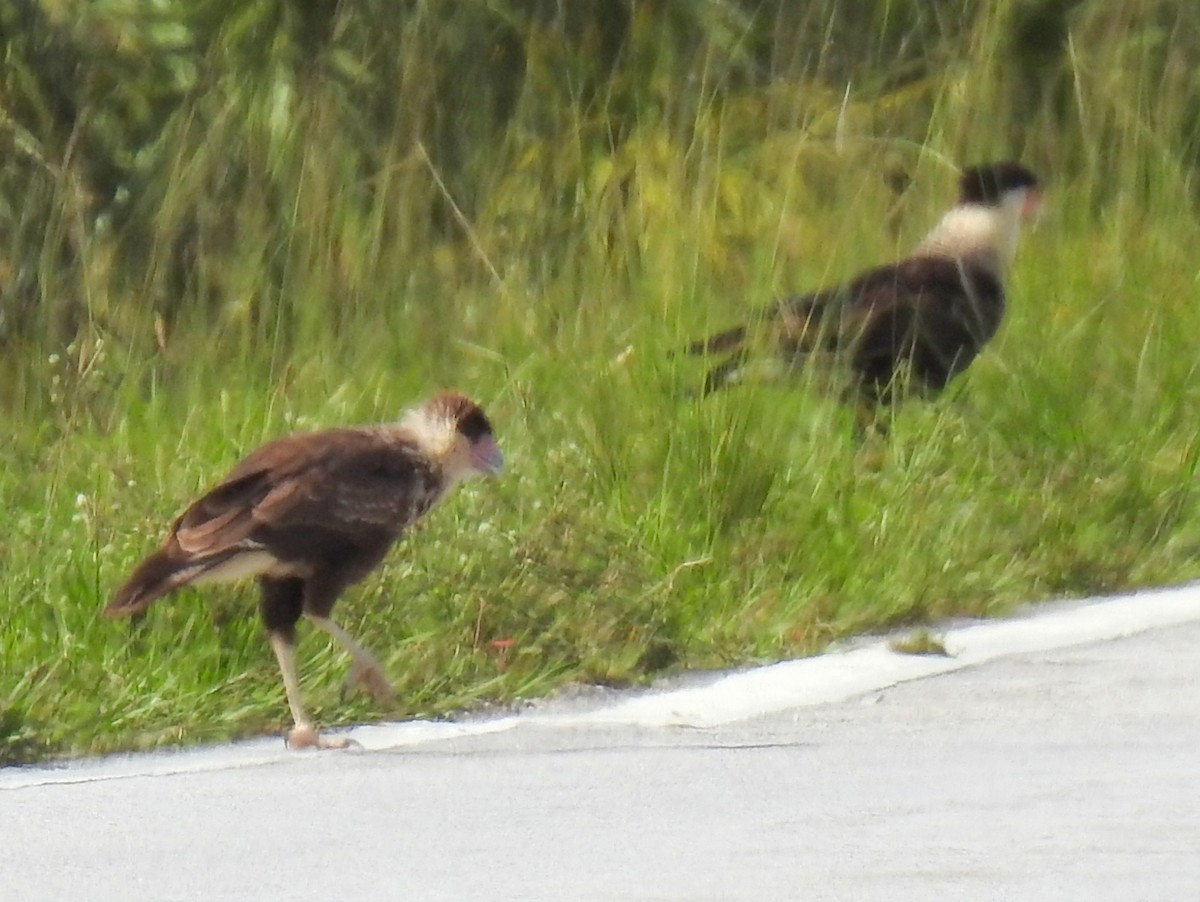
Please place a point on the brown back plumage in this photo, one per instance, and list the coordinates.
(333, 498)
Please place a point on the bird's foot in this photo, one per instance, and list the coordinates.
(370, 676)
(305, 736)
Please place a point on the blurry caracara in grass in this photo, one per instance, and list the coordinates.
(309, 515)
(910, 326)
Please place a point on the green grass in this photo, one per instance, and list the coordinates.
(639, 529)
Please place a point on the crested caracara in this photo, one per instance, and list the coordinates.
(913, 324)
(311, 514)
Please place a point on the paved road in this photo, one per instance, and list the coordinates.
(1068, 773)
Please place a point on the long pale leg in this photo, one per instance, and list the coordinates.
(304, 733)
(366, 670)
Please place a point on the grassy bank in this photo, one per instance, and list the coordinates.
(639, 528)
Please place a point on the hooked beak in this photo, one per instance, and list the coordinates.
(486, 456)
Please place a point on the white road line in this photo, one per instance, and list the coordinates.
(735, 696)
(838, 676)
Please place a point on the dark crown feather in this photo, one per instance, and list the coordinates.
(988, 182)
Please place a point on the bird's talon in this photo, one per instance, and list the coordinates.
(305, 736)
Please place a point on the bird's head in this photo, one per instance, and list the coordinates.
(994, 200)
(1008, 186)
(453, 430)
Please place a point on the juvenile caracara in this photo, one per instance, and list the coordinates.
(916, 323)
(310, 515)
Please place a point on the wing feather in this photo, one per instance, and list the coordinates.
(337, 481)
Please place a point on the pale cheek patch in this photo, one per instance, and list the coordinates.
(434, 433)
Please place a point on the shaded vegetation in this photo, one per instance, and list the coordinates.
(225, 220)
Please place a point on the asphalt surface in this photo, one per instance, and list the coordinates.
(1061, 772)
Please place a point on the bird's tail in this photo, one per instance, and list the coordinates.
(153, 578)
(720, 343)
(763, 350)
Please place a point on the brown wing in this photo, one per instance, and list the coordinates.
(930, 313)
(332, 500)
(341, 481)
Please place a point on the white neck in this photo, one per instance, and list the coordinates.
(978, 231)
